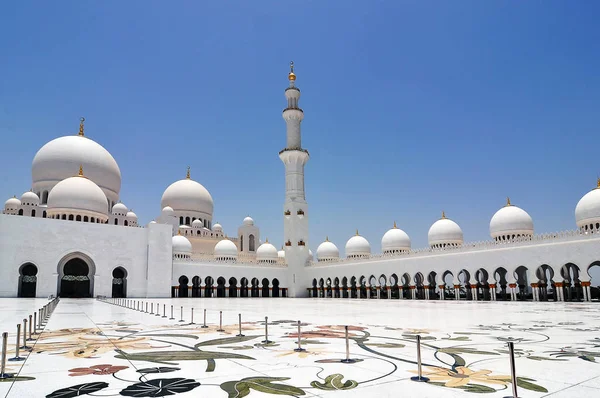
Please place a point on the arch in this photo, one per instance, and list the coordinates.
(594, 290)
(183, 286)
(546, 288)
(251, 243)
(328, 288)
(119, 282)
(208, 288)
(464, 280)
(395, 290)
(383, 284)
(233, 287)
(265, 287)
(275, 287)
(242, 244)
(20, 212)
(76, 273)
(71, 217)
(32, 212)
(86, 219)
(27, 280)
(362, 282)
(126, 223)
(572, 290)
(336, 287)
(406, 286)
(520, 275)
(500, 276)
(353, 288)
(432, 286)
(44, 215)
(220, 287)
(78, 218)
(196, 289)
(345, 288)
(187, 221)
(255, 289)
(448, 283)
(419, 286)
(244, 287)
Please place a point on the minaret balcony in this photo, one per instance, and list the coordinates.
(288, 243)
(287, 213)
(300, 213)
(301, 243)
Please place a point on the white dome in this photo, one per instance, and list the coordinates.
(30, 198)
(132, 215)
(587, 211)
(119, 209)
(511, 220)
(152, 222)
(168, 211)
(225, 249)
(186, 196)
(78, 194)
(12, 204)
(181, 245)
(357, 246)
(266, 252)
(395, 240)
(248, 221)
(327, 251)
(311, 257)
(217, 227)
(445, 232)
(281, 253)
(56, 161)
(197, 224)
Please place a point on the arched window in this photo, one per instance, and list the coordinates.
(116, 221)
(64, 217)
(181, 220)
(78, 218)
(85, 219)
(251, 243)
(20, 212)
(71, 217)
(44, 214)
(187, 221)
(33, 213)
(242, 243)
(45, 197)
(125, 223)
(92, 219)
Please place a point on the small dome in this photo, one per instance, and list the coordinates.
(152, 222)
(197, 224)
(395, 240)
(357, 246)
(168, 211)
(587, 211)
(30, 198)
(266, 252)
(311, 257)
(281, 253)
(327, 251)
(181, 245)
(248, 221)
(217, 228)
(132, 215)
(510, 221)
(78, 194)
(12, 204)
(186, 196)
(120, 209)
(225, 249)
(445, 232)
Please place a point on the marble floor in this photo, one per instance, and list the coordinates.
(93, 348)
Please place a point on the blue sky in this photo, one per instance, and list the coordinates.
(411, 107)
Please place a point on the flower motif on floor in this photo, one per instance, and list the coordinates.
(462, 376)
(302, 354)
(96, 370)
(91, 346)
(330, 331)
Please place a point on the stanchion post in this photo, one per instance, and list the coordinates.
(181, 315)
(4, 375)
(240, 325)
(164, 311)
(420, 377)
(204, 324)
(157, 309)
(34, 322)
(171, 318)
(220, 329)
(299, 349)
(151, 308)
(17, 357)
(266, 340)
(25, 346)
(146, 307)
(513, 370)
(30, 322)
(192, 322)
(347, 360)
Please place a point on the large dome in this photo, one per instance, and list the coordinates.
(587, 212)
(56, 161)
(445, 232)
(77, 195)
(181, 245)
(266, 252)
(357, 246)
(510, 222)
(188, 196)
(395, 240)
(327, 251)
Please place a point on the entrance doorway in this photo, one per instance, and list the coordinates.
(119, 283)
(27, 280)
(75, 281)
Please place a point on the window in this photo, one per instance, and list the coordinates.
(33, 213)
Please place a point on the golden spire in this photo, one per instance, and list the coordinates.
(327, 239)
(80, 171)
(598, 187)
(508, 201)
(179, 232)
(395, 224)
(81, 126)
(266, 240)
(291, 75)
(443, 215)
(188, 173)
(357, 233)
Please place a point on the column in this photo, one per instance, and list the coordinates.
(368, 291)
(474, 292)
(535, 292)
(401, 292)
(226, 291)
(442, 292)
(426, 287)
(389, 292)
(513, 293)
(413, 292)
(492, 291)
(457, 292)
(270, 292)
(378, 292)
(558, 291)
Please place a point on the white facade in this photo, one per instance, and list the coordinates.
(71, 236)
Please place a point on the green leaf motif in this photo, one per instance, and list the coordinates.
(536, 358)
(241, 388)
(169, 357)
(460, 338)
(527, 384)
(478, 388)
(239, 347)
(226, 340)
(312, 341)
(334, 382)
(16, 378)
(465, 350)
(386, 345)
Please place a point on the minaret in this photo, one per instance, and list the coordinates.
(295, 208)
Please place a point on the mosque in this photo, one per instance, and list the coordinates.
(71, 236)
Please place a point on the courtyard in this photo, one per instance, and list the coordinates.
(94, 348)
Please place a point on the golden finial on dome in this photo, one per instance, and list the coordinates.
(266, 240)
(598, 187)
(179, 232)
(188, 173)
(357, 233)
(80, 171)
(81, 121)
(395, 224)
(508, 201)
(443, 215)
(291, 75)
(327, 239)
